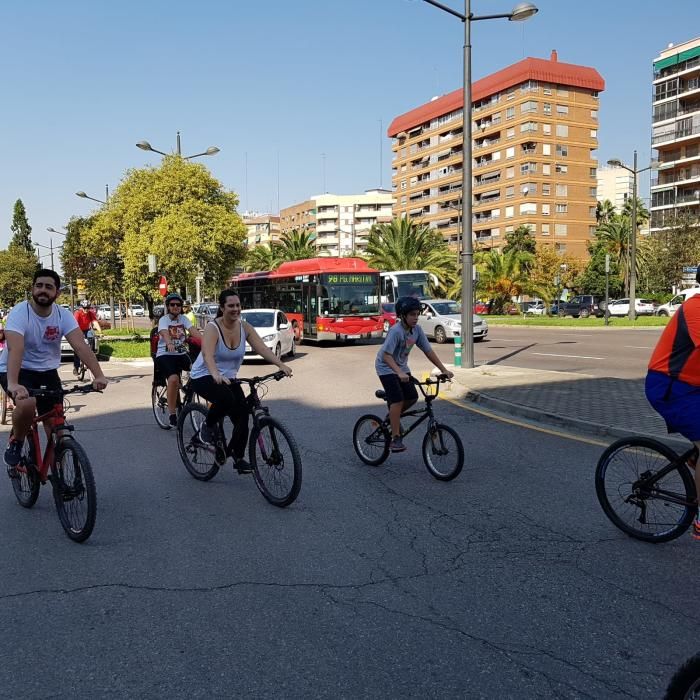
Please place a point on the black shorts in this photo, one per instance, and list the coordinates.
(167, 365)
(396, 390)
(33, 379)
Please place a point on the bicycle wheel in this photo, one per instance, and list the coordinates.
(159, 401)
(685, 683)
(646, 512)
(198, 457)
(276, 463)
(371, 440)
(443, 452)
(3, 406)
(74, 490)
(26, 482)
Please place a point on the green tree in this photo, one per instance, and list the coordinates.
(642, 211)
(592, 279)
(404, 244)
(263, 257)
(17, 267)
(670, 250)
(553, 272)
(520, 240)
(604, 211)
(296, 245)
(21, 230)
(503, 276)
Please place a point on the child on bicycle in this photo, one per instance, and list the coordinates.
(391, 364)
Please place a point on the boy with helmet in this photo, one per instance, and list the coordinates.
(87, 319)
(672, 384)
(391, 364)
(171, 354)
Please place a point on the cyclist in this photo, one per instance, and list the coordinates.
(673, 378)
(188, 313)
(33, 354)
(171, 354)
(223, 350)
(86, 318)
(391, 364)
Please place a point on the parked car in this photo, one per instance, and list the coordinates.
(621, 307)
(67, 350)
(388, 315)
(103, 313)
(670, 308)
(204, 313)
(537, 309)
(158, 310)
(442, 319)
(136, 310)
(481, 307)
(583, 305)
(275, 330)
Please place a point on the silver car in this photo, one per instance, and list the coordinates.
(442, 319)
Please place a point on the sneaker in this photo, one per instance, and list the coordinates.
(243, 466)
(173, 419)
(13, 453)
(75, 371)
(397, 445)
(695, 532)
(207, 434)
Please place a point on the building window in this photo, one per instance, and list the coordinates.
(510, 133)
(591, 231)
(510, 112)
(593, 192)
(593, 172)
(526, 168)
(594, 133)
(509, 212)
(547, 129)
(592, 212)
(527, 107)
(562, 151)
(560, 247)
(510, 95)
(561, 229)
(561, 168)
(594, 114)
(562, 109)
(528, 126)
(545, 209)
(546, 149)
(546, 188)
(510, 152)
(528, 208)
(562, 130)
(562, 190)
(547, 108)
(546, 169)
(403, 184)
(510, 191)
(562, 208)
(510, 173)
(546, 89)
(403, 199)
(545, 229)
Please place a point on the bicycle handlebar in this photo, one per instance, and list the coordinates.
(60, 393)
(439, 378)
(279, 374)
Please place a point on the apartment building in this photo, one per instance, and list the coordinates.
(614, 184)
(263, 229)
(340, 222)
(535, 134)
(675, 187)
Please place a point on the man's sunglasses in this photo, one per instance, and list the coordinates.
(174, 303)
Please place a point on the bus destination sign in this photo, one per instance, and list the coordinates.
(350, 279)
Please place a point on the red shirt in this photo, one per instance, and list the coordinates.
(85, 317)
(677, 353)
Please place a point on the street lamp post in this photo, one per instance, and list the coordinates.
(520, 12)
(145, 146)
(50, 229)
(615, 162)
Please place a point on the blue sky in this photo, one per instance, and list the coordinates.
(277, 81)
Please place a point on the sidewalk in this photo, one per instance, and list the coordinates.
(580, 403)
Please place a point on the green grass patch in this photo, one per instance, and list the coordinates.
(139, 333)
(641, 322)
(126, 349)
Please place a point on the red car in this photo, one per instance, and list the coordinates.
(481, 307)
(388, 316)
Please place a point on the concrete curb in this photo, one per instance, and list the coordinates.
(501, 406)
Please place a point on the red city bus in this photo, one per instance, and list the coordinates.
(324, 298)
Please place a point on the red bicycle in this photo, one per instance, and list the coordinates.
(64, 464)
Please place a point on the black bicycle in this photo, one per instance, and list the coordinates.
(272, 449)
(646, 489)
(443, 452)
(159, 394)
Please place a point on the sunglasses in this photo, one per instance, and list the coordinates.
(174, 303)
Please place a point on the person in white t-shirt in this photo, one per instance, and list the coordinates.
(171, 355)
(32, 355)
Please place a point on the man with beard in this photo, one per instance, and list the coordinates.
(33, 354)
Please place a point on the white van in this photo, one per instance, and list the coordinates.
(671, 307)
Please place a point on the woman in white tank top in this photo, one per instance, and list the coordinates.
(223, 349)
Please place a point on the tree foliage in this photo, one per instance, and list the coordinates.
(21, 230)
(552, 272)
(592, 279)
(503, 276)
(669, 251)
(521, 241)
(17, 267)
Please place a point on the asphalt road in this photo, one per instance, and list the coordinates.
(377, 582)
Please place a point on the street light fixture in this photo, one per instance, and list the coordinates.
(617, 163)
(520, 12)
(145, 146)
(85, 196)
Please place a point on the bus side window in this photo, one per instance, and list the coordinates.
(389, 289)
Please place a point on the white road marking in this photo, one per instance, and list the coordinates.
(580, 357)
(639, 347)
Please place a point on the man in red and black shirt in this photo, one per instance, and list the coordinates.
(673, 377)
(87, 319)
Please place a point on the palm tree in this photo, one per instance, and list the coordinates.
(615, 234)
(604, 211)
(263, 258)
(297, 245)
(503, 276)
(404, 244)
(642, 211)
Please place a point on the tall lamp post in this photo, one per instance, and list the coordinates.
(615, 162)
(520, 12)
(50, 229)
(145, 146)
(94, 199)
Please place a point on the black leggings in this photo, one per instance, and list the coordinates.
(226, 400)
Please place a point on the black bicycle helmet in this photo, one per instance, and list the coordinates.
(407, 304)
(173, 296)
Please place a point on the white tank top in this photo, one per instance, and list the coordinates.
(228, 360)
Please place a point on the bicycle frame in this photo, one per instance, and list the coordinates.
(646, 484)
(426, 412)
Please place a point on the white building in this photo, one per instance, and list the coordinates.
(615, 184)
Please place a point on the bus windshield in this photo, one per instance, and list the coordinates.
(413, 285)
(340, 297)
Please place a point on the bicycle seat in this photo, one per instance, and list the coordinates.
(380, 394)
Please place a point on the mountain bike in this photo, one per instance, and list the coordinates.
(272, 449)
(442, 449)
(90, 339)
(646, 489)
(64, 464)
(159, 395)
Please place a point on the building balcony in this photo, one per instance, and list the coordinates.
(676, 135)
(478, 145)
(330, 214)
